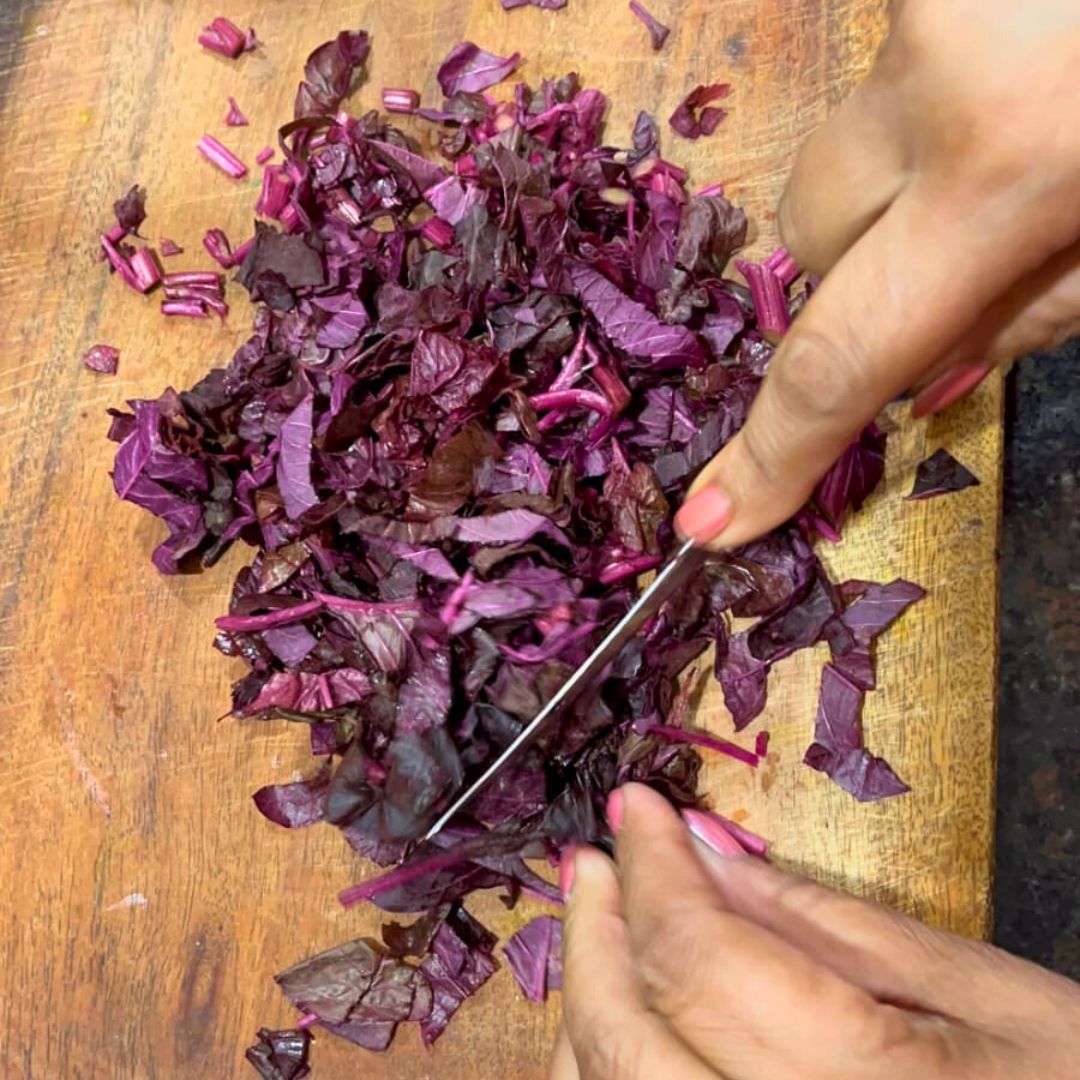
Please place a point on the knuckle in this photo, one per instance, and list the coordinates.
(806, 899)
(668, 966)
(818, 375)
(605, 1051)
(760, 452)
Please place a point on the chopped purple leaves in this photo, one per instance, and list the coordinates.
(475, 390)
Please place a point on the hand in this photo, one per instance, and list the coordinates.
(942, 202)
(685, 965)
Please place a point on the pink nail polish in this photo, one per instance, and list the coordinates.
(712, 834)
(566, 870)
(946, 388)
(615, 810)
(704, 515)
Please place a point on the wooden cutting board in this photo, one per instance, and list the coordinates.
(146, 903)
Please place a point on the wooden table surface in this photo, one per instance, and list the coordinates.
(146, 902)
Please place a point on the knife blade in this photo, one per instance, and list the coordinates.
(677, 572)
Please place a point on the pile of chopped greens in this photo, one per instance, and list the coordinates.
(477, 386)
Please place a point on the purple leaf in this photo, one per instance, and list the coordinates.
(329, 73)
(838, 749)
(941, 474)
(534, 954)
(294, 461)
(295, 805)
(631, 326)
(469, 68)
(694, 116)
(658, 32)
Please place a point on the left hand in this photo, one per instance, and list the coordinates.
(683, 964)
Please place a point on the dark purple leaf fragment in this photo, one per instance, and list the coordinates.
(295, 805)
(838, 749)
(329, 73)
(534, 955)
(459, 963)
(847, 484)
(695, 116)
(630, 326)
(549, 5)
(294, 461)
(358, 991)
(941, 474)
(468, 68)
(130, 210)
(280, 1055)
(658, 32)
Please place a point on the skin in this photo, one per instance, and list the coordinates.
(942, 205)
(684, 964)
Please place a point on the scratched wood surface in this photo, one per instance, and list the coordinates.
(146, 904)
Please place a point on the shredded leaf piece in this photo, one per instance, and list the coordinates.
(658, 32)
(695, 116)
(234, 117)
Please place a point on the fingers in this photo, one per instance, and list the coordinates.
(613, 1034)
(1042, 311)
(748, 1002)
(845, 176)
(893, 958)
(885, 314)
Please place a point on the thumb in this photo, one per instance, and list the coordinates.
(899, 298)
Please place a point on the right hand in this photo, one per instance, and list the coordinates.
(942, 204)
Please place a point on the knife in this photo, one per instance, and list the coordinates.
(678, 571)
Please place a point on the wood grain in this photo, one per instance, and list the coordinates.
(147, 903)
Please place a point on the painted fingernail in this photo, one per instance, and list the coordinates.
(712, 834)
(615, 810)
(945, 389)
(566, 870)
(704, 515)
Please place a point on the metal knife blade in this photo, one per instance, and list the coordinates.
(679, 570)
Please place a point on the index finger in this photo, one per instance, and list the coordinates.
(896, 302)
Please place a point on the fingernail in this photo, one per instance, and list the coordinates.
(945, 389)
(704, 515)
(566, 870)
(712, 834)
(615, 810)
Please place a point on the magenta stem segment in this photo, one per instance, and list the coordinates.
(221, 157)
